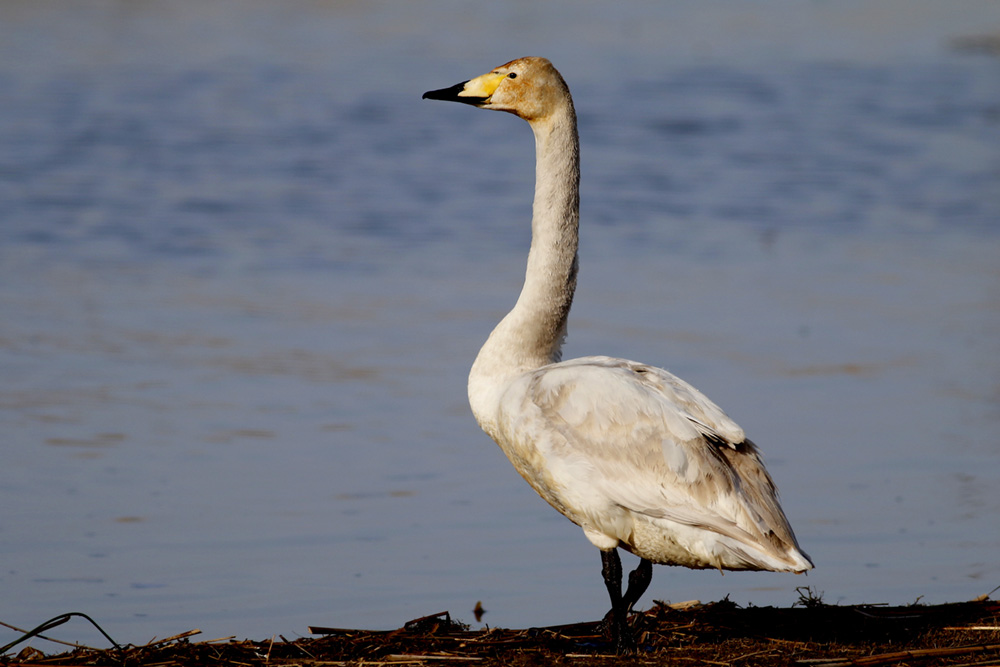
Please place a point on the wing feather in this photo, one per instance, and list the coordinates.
(597, 433)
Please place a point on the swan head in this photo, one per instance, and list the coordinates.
(527, 87)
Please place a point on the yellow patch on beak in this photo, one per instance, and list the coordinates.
(482, 86)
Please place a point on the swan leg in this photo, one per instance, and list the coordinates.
(638, 582)
(617, 618)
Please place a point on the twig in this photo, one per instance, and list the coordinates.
(217, 640)
(405, 657)
(589, 656)
(914, 654)
(322, 630)
(748, 655)
(182, 635)
(55, 622)
(48, 639)
(267, 658)
(985, 596)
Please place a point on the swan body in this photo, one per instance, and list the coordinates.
(635, 456)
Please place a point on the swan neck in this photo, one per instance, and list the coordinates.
(532, 333)
(550, 278)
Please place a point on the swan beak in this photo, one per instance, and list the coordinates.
(476, 92)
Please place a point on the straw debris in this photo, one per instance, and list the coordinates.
(811, 634)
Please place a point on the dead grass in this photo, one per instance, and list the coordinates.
(810, 634)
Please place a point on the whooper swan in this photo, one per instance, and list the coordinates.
(635, 456)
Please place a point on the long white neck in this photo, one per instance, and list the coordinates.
(531, 335)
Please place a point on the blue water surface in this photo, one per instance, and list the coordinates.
(244, 270)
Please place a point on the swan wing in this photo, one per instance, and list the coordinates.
(600, 434)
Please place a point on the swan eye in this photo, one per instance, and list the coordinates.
(512, 75)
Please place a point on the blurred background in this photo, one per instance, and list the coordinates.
(244, 270)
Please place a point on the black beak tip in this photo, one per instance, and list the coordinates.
(446, 94)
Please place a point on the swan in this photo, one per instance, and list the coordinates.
(635, 456)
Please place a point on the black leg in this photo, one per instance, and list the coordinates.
(620, 632)
(638, 582)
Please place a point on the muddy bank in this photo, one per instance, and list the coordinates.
(810, 634)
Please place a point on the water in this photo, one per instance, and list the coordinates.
(244, 270)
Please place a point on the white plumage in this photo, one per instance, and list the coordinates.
(635, 456)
